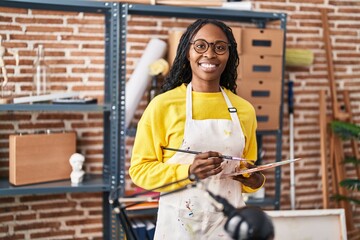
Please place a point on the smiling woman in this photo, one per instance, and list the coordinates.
(206, 63)
(198, 111)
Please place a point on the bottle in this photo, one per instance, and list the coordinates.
(41, 73)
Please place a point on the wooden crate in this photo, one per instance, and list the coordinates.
(37, 158)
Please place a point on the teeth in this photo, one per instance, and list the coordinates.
(207, 65)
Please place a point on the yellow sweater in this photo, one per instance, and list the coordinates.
(162, 125)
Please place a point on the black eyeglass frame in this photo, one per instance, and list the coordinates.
(213, 44)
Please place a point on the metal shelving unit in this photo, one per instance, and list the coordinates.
(259, 19)
(114, 96)
(112, 109)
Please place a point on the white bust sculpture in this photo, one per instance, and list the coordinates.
(76, 161)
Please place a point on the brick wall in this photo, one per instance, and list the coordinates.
(74, 49)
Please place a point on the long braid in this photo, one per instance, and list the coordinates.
(180, 71)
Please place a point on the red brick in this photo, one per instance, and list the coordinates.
(51, 29)
(61, 214)
(6, 218)
(25, 217)
(10, 209)
(82, 222)
(40, 225)
(13, 10)
(52, 233)
(53, 205)
(38, 20)
(17, 236)
(91, 230)
(85, 21)
(29, 37)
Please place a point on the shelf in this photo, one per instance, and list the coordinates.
(91, 183)
(215, 13)
(261, 202)
(63, 5)
(143, 209)
(55, 107)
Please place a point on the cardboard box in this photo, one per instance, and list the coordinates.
(237, 35)
(173, 42)
(267, 116)
(260, 90)
(260, 66)
(262, 41)
(37, 158)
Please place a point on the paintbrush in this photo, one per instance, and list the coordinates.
(227, 157)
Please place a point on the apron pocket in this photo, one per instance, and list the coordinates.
(191, 222)
(200, 223)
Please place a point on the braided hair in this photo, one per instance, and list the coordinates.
(181, 72)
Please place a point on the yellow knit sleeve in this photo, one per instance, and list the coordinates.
(147, 167)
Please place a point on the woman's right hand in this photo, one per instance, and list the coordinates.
(206, 164)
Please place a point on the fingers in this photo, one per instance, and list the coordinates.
(206, 164)
(215, 156)
(254, 180)
(244, 164)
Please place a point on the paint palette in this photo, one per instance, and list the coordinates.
(260, 168)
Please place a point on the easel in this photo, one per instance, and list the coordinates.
(336, 152)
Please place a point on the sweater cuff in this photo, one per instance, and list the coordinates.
(182, 173)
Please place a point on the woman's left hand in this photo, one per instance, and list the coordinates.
(253, 180)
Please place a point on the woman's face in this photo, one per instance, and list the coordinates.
(208, 66)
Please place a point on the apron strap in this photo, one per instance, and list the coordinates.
(189, 101)
(232, 110)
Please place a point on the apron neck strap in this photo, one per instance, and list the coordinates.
(232, 110)
(189, 101)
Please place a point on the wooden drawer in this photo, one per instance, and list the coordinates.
(267, 116)
(262, 41)
(260, 90)
(260, 66)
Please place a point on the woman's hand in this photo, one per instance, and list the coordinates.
(253, 180)
(206, 164)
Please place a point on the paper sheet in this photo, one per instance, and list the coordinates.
(140, 78)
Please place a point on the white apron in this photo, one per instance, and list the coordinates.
(189, 214)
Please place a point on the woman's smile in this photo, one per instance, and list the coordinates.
(208, 67)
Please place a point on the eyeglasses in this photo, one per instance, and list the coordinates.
(219, 47)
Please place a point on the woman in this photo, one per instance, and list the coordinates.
(198, 111)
